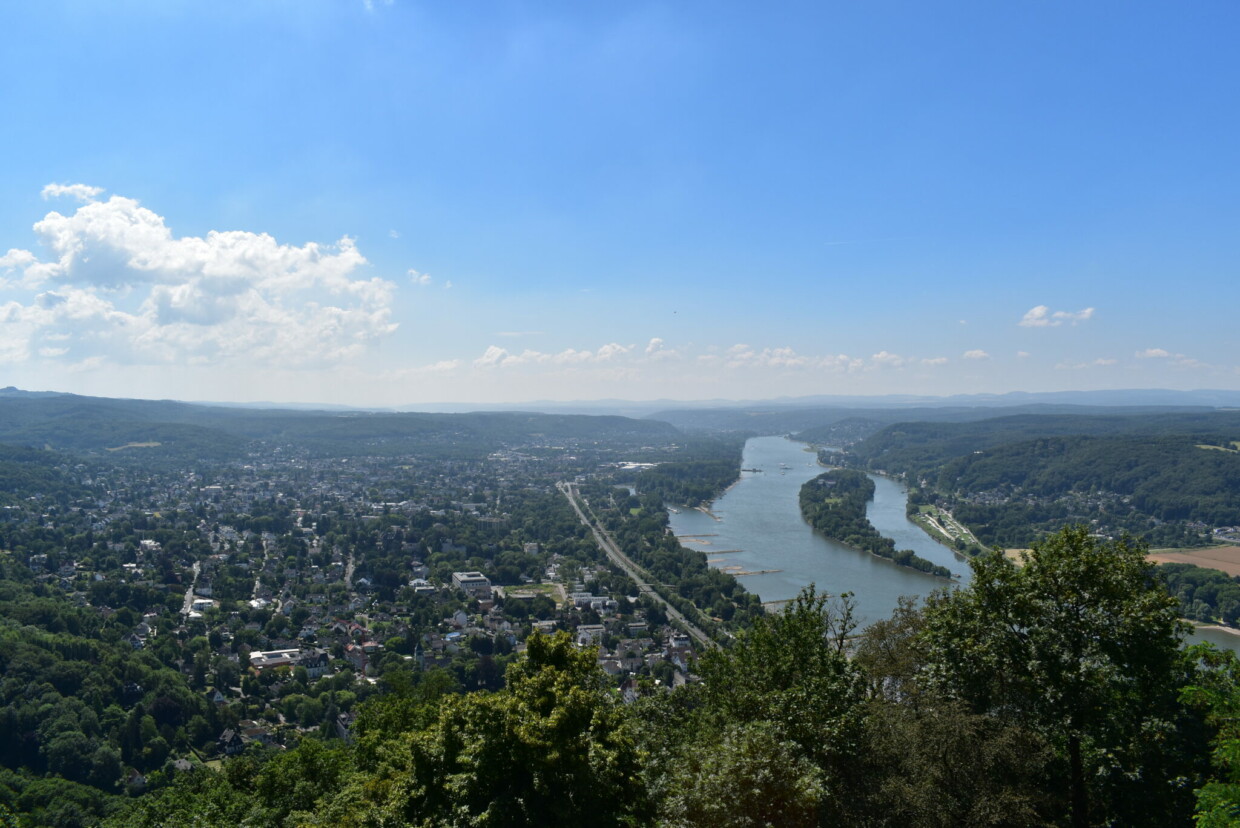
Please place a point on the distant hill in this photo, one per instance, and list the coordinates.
(162, 428)
(839, 425)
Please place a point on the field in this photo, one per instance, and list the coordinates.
(1223, 558)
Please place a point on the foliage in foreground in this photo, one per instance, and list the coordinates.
(1053, 693)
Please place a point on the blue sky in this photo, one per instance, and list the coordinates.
(388, 203)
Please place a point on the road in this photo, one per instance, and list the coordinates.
(188, 605)
(639, 575)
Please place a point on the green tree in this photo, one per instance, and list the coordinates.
(553, 748)
(1082, 646)
(790, 674)
(750, 777)
(1218, 692)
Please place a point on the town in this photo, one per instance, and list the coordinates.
(286, 589)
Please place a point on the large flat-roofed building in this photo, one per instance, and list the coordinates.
(474, 583)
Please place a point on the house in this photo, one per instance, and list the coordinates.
(135, 781)
(421, 586)
(230, 742)
(589, 634)
(356, 656)
(344, 725)
(315, 661)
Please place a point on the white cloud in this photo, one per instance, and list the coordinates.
(121, 285)
(497, 357)
(1183, 360)
(393, 234)
(656, 350)
(976, 353)
(1101, 362)
(887, 360)
(934, 361)
(419, 278)
(743, 356)
(1042, 317)
(444, 366)
(81, 192)
(494, 356)
(612, 349)
(1022, 354)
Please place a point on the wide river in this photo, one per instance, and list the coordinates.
(757, 528)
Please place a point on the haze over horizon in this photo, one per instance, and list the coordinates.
(388, 203)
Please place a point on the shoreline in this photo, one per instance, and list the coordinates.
(949, 578)
(1197, 625)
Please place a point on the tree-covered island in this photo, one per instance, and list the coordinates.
(834, 504)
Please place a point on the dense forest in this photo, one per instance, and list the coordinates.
(1205, 595)
(1165, 478)
(700, 474)
(834, 504)
(1060, 686)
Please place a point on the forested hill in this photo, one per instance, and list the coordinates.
(918, 448)
(78, 424)
(1167, 478)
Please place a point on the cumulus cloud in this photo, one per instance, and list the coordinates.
(1153, 353)
(419, 278)
(121, 285)
(656, 349)
(1042, 317)
(934, 361)
(81, 192)
(976, 353)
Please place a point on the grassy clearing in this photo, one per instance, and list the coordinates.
(135, 445)
(1235, 447)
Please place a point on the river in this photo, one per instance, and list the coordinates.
(757, 528)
